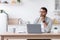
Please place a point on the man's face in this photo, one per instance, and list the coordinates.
(43, 12)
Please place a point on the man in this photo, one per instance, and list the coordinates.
(46, 21)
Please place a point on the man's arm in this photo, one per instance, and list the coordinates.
(49, 26)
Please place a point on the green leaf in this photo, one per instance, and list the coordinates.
(18, 1)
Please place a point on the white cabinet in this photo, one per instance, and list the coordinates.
(57, 4)
(3, 22)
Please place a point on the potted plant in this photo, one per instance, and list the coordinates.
(1, 11)
(18, 1)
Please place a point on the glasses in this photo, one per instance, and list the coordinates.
(43, 11)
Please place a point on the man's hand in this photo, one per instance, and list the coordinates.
(42, 19)
(44, 22)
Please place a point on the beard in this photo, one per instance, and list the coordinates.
(43, 15)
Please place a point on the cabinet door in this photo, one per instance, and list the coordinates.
(57, 4)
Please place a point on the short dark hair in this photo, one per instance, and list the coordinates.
(44, 8)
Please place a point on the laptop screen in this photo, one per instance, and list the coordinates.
(34, 28)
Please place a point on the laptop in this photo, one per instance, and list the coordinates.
(34, 28)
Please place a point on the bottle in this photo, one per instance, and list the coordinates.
(20, 21)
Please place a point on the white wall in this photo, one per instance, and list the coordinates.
(28, 9)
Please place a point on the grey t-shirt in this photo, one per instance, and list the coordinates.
(49, 26)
